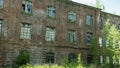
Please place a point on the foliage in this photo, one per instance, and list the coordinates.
(112, 35)
(67, 64)
(23, 58)
(100, 5)
(94, 50)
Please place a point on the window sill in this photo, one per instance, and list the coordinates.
(25, 13)
(72, 22)
(50, 17)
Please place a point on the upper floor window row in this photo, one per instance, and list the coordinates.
(26, 6)
(1, 4)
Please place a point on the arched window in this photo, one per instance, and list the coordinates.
(50, 57)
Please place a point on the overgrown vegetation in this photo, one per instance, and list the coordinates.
(23, 58)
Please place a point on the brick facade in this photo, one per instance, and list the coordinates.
(11, 44)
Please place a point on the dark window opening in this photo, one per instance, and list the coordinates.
(50, 57)
(72, 57)
(89, 59)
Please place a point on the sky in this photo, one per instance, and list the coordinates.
(111, 6)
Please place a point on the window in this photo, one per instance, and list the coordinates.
(27, 6)
(72, 57)
(89, 20)
(89, 59)
(101, 59)
(50, 34)
(119, 27)
(1, 23)
(71, 36)
(25, 31)
(71, 16)
(51, 11)
(107, 43)
(100, 41)
(50, 57)
(101, 23)
(107, 59)
(89, 38)
(1, 4)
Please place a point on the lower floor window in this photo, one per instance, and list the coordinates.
(50, 57)
(89, 59)
(72, 57)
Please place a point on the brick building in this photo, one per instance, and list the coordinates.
(50, 30)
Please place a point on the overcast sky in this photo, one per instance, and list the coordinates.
(111, 6)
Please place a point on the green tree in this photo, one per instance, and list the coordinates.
(99, 5)
(94, 50)
(111, 37)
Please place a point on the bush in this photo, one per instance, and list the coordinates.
(23, 58)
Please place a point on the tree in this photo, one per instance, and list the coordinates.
(94, 50)
(99, 5)
(111, 37)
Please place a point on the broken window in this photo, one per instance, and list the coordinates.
(50, 57)
(51, 11)
(27, 7)
(71, 16)
(71, 36)
(1, 4)
(1, 23)
(89, 38)
(50, 34)
(25, 31)
(89, 20)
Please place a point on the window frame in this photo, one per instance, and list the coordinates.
(1, 27)
(1, 4)
(72, 17)
(25, 31)
(51, 12)
(71, 36)
(50, 57)
(72, 57)
(89, 20)
(89, 41)
(50, 33)
(28, 7)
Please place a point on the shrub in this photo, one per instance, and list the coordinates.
(23, 58)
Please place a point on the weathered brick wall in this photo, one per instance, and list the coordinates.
(37, 46)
